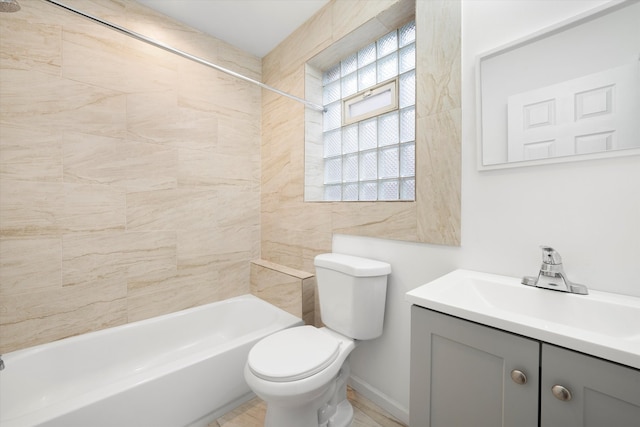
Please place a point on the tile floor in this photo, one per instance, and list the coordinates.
(366, 414)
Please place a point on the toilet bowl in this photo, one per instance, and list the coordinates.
(301, 373)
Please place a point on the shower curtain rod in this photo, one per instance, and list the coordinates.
(186, 55)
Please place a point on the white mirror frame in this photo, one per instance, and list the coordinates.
(532, 38)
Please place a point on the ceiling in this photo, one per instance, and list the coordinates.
(255, 26)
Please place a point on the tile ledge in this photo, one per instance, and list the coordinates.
(283, 269)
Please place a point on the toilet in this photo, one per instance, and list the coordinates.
(302, 372)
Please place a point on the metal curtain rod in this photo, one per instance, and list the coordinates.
(183, 54)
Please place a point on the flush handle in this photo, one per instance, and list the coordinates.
(518, 376)
(561, 393)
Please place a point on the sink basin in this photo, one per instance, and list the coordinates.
(601, 324)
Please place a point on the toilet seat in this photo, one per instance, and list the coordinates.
(293, 354)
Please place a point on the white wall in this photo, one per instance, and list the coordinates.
(589, 211)
(380, 368)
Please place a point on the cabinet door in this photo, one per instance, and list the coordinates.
(461, 374)
(602, 393)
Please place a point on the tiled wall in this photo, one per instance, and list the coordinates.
(287, 288)
(129, 177)
(293, 231)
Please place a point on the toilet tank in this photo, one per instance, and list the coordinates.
(352, 292)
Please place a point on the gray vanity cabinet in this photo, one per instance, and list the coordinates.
(601, 393)
(467, 374)
(461, 374)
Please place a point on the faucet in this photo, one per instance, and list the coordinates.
(1, 363)
(552, 275)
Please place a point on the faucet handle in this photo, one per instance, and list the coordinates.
(550, 256)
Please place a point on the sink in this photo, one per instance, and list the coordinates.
(601, 324)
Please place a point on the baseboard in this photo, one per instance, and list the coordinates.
(382, 400)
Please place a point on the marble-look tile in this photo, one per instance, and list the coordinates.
(206, 168)
(30, 47)
(30, 208)
(394, 220)
(278, 209)
(172, 209)
(29, 264)
(209, 91)
(438, 56)
(129, 177)
(118, 258)
(181, 37)
(111, 10)
(313, 141)
(348, 15)
(190, 288)
(281, 251)
(86, 48)
(30, 154)
(206, 272)
(310, 311)
(42, 101)
(295, 247)
(203, 128)
(154, 117)
(224, 274)
(237, 207)
(198, 246)
(155, 25)
(290, 55)
(90, 207)
(149, 69)
(396, 15)
(289, 289)
(438, 163)
(36, 208)
(222, 277)
(234, 59)
(234, 272)
(119, 163)
(435, 215)
(282, 269)
(46, 315)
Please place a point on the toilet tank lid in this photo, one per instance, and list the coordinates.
(352, 265)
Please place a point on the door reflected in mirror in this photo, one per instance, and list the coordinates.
(570, 92)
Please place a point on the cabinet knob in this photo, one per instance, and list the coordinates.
(518, 377)
(561, 393)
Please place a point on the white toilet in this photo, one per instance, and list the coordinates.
(301, 373)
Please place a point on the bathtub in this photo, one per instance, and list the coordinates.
(180, 369)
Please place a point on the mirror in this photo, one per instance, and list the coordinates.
(569, 92)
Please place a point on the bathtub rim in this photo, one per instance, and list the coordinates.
(78, 400)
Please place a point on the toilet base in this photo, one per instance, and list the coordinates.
(309, 417)
(343, 416)
(332, 409)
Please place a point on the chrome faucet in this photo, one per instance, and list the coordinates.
(1, 363)
(552, 275)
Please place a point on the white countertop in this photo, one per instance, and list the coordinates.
(601, 324)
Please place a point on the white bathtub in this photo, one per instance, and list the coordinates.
(180, 369)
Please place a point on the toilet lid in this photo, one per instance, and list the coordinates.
(293, 354)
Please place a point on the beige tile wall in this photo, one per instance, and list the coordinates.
(290, 289)
(129, 177)
(293, 231)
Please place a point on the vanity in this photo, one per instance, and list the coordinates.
(489, 351)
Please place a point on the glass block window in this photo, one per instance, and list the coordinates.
(373, 157)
